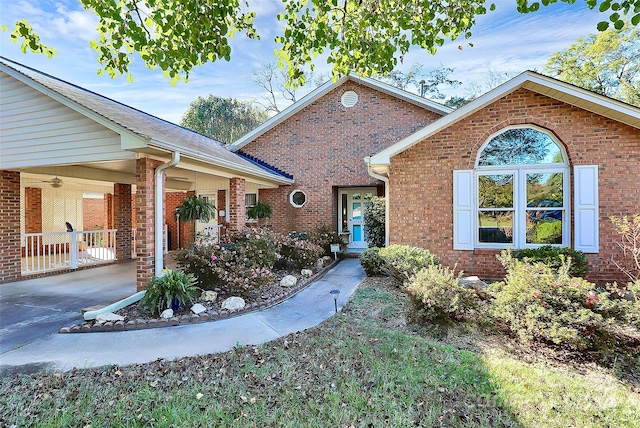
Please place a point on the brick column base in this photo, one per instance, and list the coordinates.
(237, 209)
(145, 232)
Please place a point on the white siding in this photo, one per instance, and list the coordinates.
(38, 130)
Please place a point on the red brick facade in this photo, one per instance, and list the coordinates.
(324, 145)
(32, 210)
(122, 216)
(237, 208)
(94, 214)
(422, 187)
(145, 233)
(10, 252)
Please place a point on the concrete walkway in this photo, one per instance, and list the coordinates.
(81, 350)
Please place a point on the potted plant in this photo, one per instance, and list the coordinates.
(169, 291)
(345, 235)
(195, 208)
(261, 210)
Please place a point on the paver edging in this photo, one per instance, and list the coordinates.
(187, 319)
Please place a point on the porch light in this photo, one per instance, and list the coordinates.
(335, 294)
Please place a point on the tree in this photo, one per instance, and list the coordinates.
(273, 80)
(607, 63)
(426, 84)
(225, 119)
(368, 37)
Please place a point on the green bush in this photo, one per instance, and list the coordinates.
(553, 257)
(374, 222)
(545, 304)
(437, 294)
(404, 261)
(172, 286)
(371, 262)
(196, 260)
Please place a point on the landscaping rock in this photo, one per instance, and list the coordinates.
(327, 259)
(233, 303)
(306, 272)
(320, 263)
(209, 296)
(288, 281)
(198, 309)
(166, 314)
(473, 282)
(109, 317)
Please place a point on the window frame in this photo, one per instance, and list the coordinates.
(246, 208)
(519, 172)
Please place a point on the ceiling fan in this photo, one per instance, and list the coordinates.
(56, 182)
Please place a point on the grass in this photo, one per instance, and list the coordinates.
(364, 367)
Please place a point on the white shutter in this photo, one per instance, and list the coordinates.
(463, 210)
(586, 208)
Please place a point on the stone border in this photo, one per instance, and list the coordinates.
(89, 327)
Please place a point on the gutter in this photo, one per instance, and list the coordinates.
(158, 206)
(385, 179)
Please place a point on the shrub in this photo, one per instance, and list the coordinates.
(323, 236)
(300, 252)
(374, 222)
(371, 262)
(403, 261)
(165, 291)
(553, 257)
(541, 303)
(437, 294)
(629, 232)
(196, 260)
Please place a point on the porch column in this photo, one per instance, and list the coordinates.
(32, 210)
(10, 251)
(145, 232)
(108, 210)
(122, 214)
(237, 209)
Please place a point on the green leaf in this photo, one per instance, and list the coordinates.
(603, 25)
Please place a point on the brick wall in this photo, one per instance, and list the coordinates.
(145, 233)
(10, 252)
(237, 208)
(123, 219)
(172, 201)
(94, 214)
(421, 177)
(32, 210)
(323, 146)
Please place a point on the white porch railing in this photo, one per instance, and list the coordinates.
(44, 252)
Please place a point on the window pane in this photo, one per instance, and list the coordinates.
(544, 227)
(356, 210)
(495, 226)
(250, 199)
(495, 191)
(519, 147)
(544, 190)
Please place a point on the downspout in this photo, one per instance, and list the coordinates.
(386, 197)
(158, 206)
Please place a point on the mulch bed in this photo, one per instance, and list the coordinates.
(137, 317)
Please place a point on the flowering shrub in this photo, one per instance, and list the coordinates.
(323, 236)
(196, 260)
(437, 294)
(541, 303)
(404, 261)
(300, 252)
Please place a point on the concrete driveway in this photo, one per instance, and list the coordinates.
(35, 308)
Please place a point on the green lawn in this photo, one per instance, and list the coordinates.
(364, 368)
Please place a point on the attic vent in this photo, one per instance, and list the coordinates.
(349, 99)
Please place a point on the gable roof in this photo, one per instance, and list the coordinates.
(548, 86)
(329, 86)
(140, 131)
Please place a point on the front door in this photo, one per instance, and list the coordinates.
(351, 214)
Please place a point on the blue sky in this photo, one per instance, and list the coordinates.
(503, 41)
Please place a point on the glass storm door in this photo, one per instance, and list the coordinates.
(352, 215)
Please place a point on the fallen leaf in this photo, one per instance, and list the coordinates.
(199, 395)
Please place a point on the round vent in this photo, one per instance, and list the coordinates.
(349, 99)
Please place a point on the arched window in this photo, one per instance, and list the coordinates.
(522, 190)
